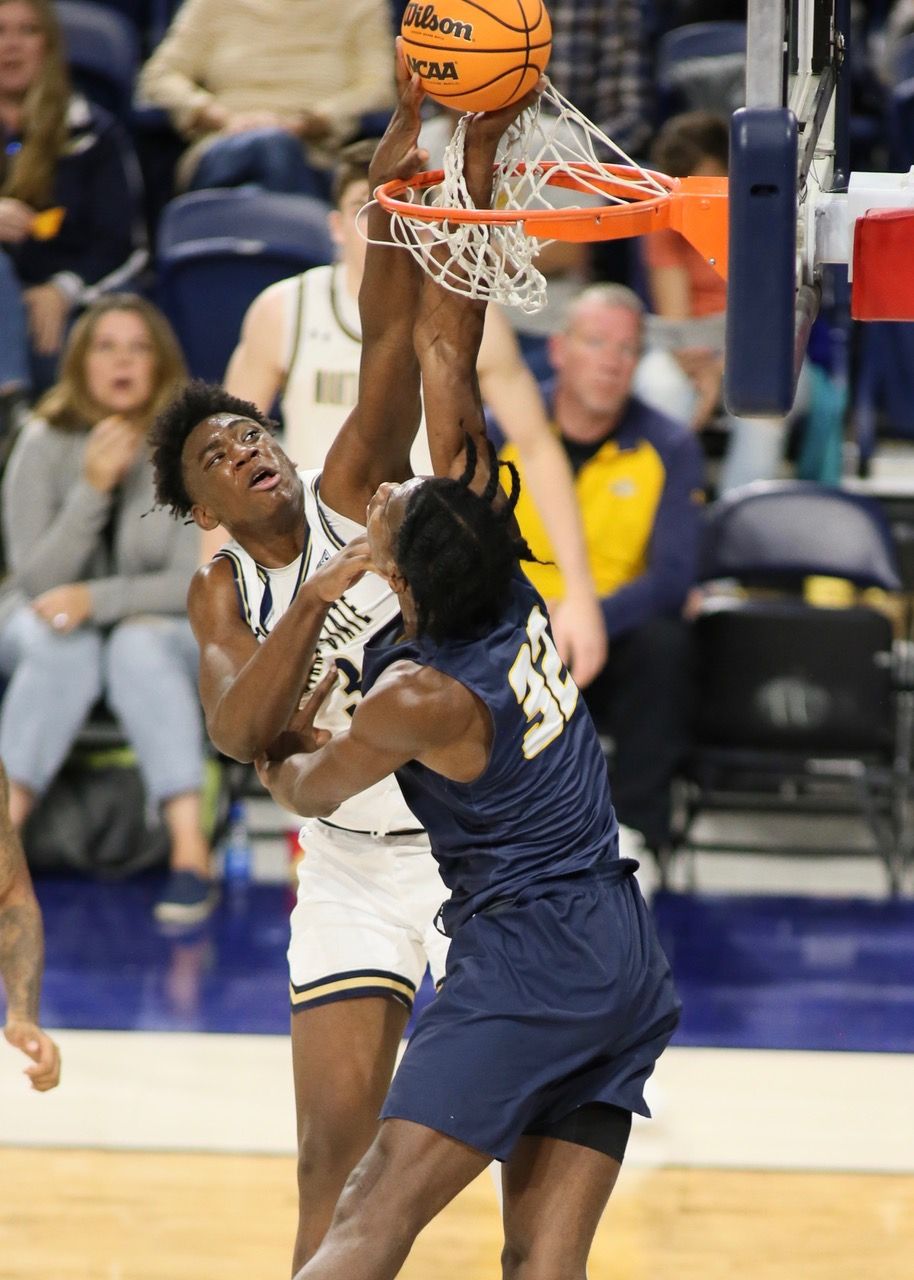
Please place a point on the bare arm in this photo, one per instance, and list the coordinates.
(670, 291)
(22, 954)
(251, 691)
(255, 370)
(175, 75)
(511, 392)
(413, 713)
(374, 442)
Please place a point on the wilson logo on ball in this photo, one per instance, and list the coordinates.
(424, 18)
(476, 55)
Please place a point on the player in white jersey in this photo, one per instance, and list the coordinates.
(368, 888)
(301, 340)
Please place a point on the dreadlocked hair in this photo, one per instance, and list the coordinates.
(458, 550)
(198, 401)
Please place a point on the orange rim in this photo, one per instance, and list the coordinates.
(695, 207)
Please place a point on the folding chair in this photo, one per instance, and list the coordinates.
(701, 66)
(799, 708)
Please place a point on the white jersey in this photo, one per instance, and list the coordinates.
(265, 595)
(323, 347)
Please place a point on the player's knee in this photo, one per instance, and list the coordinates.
(522, 1258)
(331, 1143)
(371, 1205)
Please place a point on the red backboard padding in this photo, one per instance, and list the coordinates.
(883, 283)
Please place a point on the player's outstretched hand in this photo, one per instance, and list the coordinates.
(342, 570)
(484, 133)
(490, 125)
(398, 154)
(44, 1073)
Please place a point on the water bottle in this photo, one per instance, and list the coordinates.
(238, 855)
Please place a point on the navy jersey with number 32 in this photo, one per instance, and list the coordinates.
(541, 808)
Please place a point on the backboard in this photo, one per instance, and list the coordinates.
(788, 145)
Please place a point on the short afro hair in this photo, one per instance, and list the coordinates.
(198, 401)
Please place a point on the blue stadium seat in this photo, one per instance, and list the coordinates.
(218, 249)
(701, 66)
(136, 11)
(799, 708)
(102, 47)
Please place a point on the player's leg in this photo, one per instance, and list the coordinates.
(408, 1176)
(355, 965)
(343, 1057)
(555, 1192)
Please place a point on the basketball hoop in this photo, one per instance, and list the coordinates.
(489, 253)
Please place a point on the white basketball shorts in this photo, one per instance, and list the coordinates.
(363, 923)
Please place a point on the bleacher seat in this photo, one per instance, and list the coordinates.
(218, 249)
(103, 50)
(701, 66)
(799, 708)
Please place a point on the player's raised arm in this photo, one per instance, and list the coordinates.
(374, 443)
(449, 325)
(22, 954)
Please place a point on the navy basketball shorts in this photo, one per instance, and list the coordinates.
(559, 998)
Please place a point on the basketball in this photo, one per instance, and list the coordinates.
(477, 55)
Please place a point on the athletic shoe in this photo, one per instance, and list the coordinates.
(186, 899)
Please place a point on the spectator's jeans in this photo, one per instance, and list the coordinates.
(14, 334)
(146, 670)
(756, 446)
(269, 158)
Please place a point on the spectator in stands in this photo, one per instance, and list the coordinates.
(600, 62)
(267, 92)
(69, 198)
(98, 584)
(899, 25)
(682, 369)
(639, 484)
(301, 338)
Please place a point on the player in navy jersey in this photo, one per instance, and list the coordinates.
(558, 998)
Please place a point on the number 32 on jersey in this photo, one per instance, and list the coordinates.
(545, 691)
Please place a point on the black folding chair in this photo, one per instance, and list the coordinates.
(800, 708)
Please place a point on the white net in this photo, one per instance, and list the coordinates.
(495, 261)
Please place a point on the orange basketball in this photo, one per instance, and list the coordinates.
(477, 55)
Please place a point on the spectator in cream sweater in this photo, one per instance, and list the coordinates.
(266, 91)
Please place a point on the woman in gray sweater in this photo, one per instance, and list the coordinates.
(99, 581)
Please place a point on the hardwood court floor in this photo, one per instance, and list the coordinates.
(102, 1215)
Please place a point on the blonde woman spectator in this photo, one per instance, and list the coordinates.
(99, 582)
(266, 91)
